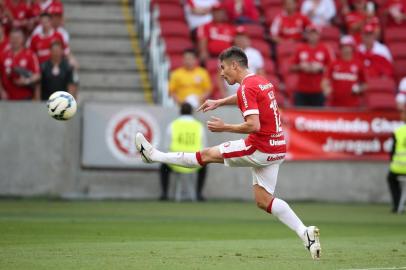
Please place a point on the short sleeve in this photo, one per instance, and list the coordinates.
(34, 63)
(249, 101)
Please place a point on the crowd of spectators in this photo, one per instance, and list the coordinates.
(318, 52)
(35, 59)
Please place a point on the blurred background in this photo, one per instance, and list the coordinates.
(337, 67)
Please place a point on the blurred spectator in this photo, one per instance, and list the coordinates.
(376, 56)
(56, 13)
(310, 61)
(4, 41)
(255, 61)
(56, 73)
(396, 11)
(198, 13)
(190, 83)
(40, 43)
(216, 36)
(19, 70)
(44, 6)
(401, 96)
(363, 13)
(344, 80)
(320, 12)
(5, 17)
(20, 13)
(397, 166)
(185, 134)
(241, 11)
(289, 24)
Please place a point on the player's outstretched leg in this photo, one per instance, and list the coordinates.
(149, 154)
(280, 209)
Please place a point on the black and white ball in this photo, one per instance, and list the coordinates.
(61, 105)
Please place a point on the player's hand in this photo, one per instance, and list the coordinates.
(209, 105)
(215, 124)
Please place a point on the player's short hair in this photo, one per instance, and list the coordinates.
(186, 109)
(190, 51)
(45, 14)
(235, 54)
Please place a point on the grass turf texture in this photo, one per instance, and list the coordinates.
(215, 235)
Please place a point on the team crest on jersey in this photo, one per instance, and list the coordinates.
(320, 56)
(23, 62)
(303, 55)
(354, 68)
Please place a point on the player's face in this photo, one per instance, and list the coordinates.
(16, 39)
(228, 71)
(346, 51)
(313, 37)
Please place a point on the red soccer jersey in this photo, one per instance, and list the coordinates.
(13, 66)
(318, 55)
(4, 45)
(256, 96)
(289, 27)
(20, 12)
(40, 44)
(247, 9)
(376, 65)
(219, 36)
(343, 76)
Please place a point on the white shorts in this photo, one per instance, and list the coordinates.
(264, 166)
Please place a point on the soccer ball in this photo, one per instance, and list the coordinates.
(61, 105)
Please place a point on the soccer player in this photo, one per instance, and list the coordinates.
(263, 150)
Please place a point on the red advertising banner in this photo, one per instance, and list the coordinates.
(339, 135)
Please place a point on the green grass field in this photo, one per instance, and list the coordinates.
(36, 234)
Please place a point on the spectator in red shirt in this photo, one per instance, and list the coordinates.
(20, 13)
(396, 12)
(344, 81)
(40, 43)
(363, 13)
(310, 61)
(241, 11)
(216, 36)
(19, 70)
(376, 56)
(6, 18)
(289, 24)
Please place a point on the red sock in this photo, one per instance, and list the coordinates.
(199, 158)
(269, 208)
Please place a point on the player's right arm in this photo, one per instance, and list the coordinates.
(212, 104)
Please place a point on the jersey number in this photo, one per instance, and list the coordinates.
(274, 107)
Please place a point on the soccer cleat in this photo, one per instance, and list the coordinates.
(312, 241)
(144, 147)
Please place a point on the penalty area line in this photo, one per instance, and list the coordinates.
(378, 268)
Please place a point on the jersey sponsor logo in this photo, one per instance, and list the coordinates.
(265, 86)
(121, 131)
(244, 98)
(274, 158)
(215, 35)
(277, 142)
(345, 76)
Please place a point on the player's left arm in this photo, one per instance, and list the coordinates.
(250, 125)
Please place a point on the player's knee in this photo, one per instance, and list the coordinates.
(210, 155)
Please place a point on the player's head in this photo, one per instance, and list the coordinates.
(17, 38)
(186, 109)
(189, 58)
(219, 13)
(56, 50)
(232, 62)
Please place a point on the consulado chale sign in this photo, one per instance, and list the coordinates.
(335, 135)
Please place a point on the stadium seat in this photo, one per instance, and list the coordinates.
(379, 85)
(169, 11)
(270, 4)
(330, 33)
(398, 50)
(254, 31)
(400, 68)
(212, 65)
(380, 101)
(284, 65)
(270, 14)
(176, 45)
(285, 49)
(174, 28)
(394, 34)
(269, 66)
(262, 46)
(290, 86)
(175, 61)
